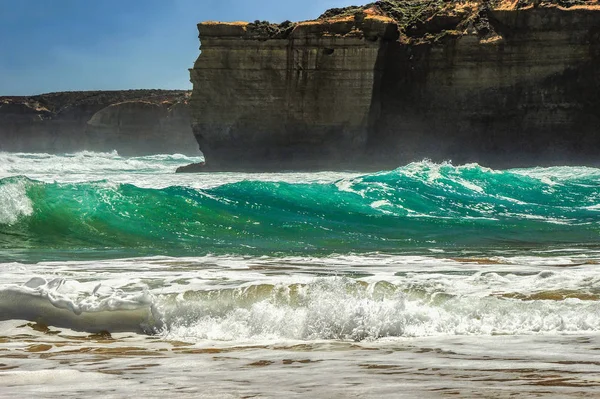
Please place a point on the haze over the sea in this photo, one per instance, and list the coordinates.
(115, 45)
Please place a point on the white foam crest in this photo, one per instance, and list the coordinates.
(338, 308)
(382, 204)
(426, 171)
(425, 168)
(324, 309)
(365, 297)
(558, 174)
(14, 202)
(470, 185)
(153, 171)
(347, 185)
(443, 174)
(88, 163)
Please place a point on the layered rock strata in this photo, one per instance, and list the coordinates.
(302, 100)
(502, 84)
(134, 122)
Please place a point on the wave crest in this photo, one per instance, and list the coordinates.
(421, 205)
(337, 308)
(14, 202)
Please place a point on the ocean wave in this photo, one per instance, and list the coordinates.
(14, 202)
(89, 163)
(421, 205)
(337, 308)
(340, 308)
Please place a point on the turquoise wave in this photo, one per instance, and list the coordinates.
(419, 207)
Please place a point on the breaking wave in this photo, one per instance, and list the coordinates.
(422, 205)
(326, 308)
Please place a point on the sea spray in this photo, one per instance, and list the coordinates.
(14, 202)
(335, 307)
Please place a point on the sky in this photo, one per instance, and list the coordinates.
(67, 45)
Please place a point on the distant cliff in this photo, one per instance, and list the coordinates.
(499, 83)
(133, 122)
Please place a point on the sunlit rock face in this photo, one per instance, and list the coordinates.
(303, 100)
(495, 83)
(133, 122)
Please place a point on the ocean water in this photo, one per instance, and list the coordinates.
(120, 278)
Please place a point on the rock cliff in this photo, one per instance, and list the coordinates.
(134, 122)
(499, 83)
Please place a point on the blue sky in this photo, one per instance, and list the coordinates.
(62, 45)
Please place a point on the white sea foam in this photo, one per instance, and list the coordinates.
(339, 309)
(88, 163)
(235, 299)
(14, 202)
(558, 174)
(154, 171)
(380, 204)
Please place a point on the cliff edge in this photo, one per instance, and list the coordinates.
(501, 83)
(133, 122)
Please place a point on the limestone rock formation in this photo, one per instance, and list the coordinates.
(500, 83)
(134, 122)
(304, 97)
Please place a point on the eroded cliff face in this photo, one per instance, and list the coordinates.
(302, 100)
(135, 122)
(367, 87)
(526, 93)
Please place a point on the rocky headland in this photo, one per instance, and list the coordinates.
(133, 122)
(501, 83)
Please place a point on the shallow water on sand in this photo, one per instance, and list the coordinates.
(122, 279)
(53, 364)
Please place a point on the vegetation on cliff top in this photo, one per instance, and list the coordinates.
(416, 18)
(268, 29)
